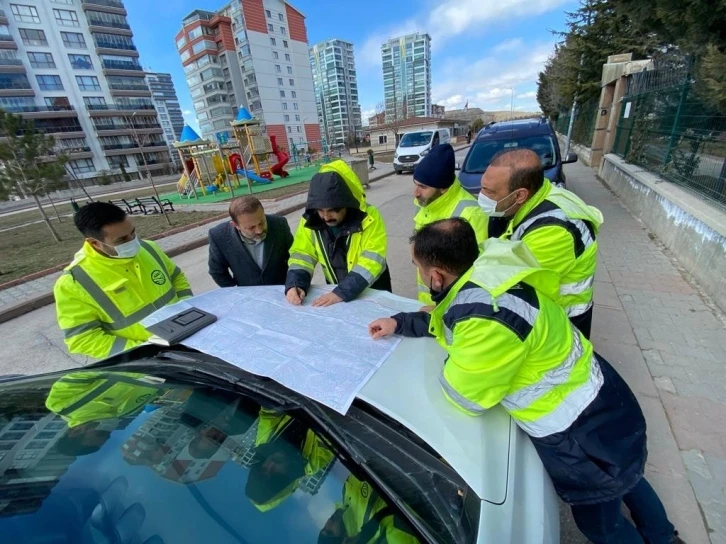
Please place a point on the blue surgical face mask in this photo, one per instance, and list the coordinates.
(127, 249)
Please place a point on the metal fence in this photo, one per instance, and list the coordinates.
(584, 125)
(666, 128)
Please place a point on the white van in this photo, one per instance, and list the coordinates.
(414, 146)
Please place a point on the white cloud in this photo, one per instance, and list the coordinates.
(490, 81)
(455, 17)
(187, 112)
(530, 94)
(508, 45)
(365, 114)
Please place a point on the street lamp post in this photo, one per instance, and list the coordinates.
(146, 166)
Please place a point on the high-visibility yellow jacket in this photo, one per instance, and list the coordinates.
(509, 343)
(100, 300)
(456, 202)
(86, 396)
(367, 517)
(560, 230)
(366, 245)
(316, 452)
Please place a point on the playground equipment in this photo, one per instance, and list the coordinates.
(256, 149)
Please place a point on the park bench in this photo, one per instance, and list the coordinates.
(130, 207)
(151, 204)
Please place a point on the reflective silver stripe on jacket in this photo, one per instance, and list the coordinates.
(118, 320)
(109, 380)
(80, 329)
(118, 346)
(569, 409)
(304, 258)
(577, 288)
(526, 396)
(462, 205)
(184, 293)
(365, 273)
(459, 399)
(514, 304)
(373, 256)
(577, 309)
(587, 238)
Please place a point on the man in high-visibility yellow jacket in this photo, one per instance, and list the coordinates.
(365, 518)
(114, 282)
(344, 234)
(555, 224)
(439, 195)
(509, 343)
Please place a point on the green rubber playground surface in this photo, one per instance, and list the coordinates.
(296, 176)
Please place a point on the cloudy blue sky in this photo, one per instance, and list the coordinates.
(483, 50)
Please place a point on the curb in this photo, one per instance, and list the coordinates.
(47, 298)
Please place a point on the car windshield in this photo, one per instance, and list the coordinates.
(116, 457)
(483, 151)
(415, 139)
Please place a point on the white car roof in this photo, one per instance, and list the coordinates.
(407, 389)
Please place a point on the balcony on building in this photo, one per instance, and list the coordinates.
(108, 6)
(125, 109)
(14, 83)
(123, 149)
(68, 127)
(118, 67)
(43, 112)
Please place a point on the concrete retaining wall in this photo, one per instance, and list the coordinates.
(583, 153)
(692, 229)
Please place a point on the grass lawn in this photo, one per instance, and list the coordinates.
(17, 219)
(290, 184)
(32, 248)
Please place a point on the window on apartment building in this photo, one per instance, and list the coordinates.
(278, 68)
(58, 102)
(283, 31)
(117, 161)
(292, 82)
(279, 81)
(199, 104)
(195, 33)
(33, 37)
(275, 55)
(73, 40)
(82, 166)
(81, 62)
(287, 57)
(41, 60)
(268, 13)
(24, 14)
(94, 102)
(281, 16)
(293, 94)
(282, 94)
(185, 55)
(298, 128)
(284, 105)
(383, 139)
(297, 117)
(88, 83)
(294, 106)
(284, 44)
(287, 118)
(270, 27)
(181, 42)
(273, 41)
(289, 130)
(66, 2)
(50, 83)
(289, 69)
(66, 17)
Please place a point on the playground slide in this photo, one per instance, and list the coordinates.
(282, 159)
(253, 177)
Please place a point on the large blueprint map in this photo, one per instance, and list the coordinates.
(322, 353)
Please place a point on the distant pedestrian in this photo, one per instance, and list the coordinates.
(468, 137)
(371, 160)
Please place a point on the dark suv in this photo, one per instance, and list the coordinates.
(534, 134)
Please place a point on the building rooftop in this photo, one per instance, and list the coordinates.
(414, 121)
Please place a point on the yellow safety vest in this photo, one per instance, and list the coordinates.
(560, 230)
(367, 249)
(100, 300)
(509, 343)
(455, 202)
(86, 396)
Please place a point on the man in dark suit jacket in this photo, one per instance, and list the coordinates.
(252, 249)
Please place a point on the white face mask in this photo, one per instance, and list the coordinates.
(489, 205)
(126, 250)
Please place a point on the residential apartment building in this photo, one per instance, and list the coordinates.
(72, 67)
(252, 54)
(407, 76)
(336, 91)
(165, 100)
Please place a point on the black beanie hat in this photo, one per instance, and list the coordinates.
(437, 169)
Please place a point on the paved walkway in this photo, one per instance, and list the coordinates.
(669, 342)
(27, 292)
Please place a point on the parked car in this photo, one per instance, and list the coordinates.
(166, 445)
(535, 134)
(414, 146)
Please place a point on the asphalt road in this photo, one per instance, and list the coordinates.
(32, 344)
